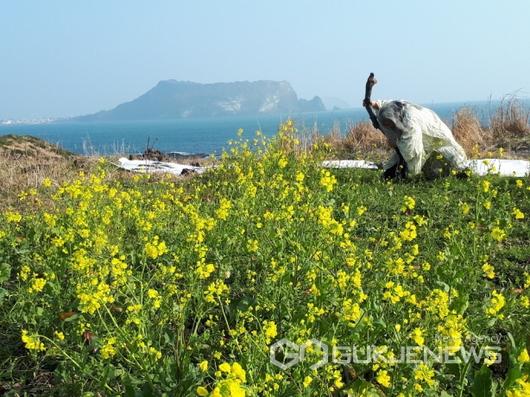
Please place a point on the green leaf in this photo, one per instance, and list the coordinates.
(363, 388)
(513, 374)
(443, 285)
(3, 294)
(462, 303)
(5, 272)
(39, 311)
(71, 318)
(482, 383)
(147, 390)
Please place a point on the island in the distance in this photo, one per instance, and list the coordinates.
(171, 99)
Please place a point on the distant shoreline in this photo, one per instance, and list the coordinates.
(75, 119)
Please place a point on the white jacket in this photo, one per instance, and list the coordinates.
(418, 133)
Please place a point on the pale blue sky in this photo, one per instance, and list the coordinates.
(71, 57)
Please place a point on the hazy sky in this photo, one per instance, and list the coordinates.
(71, 57)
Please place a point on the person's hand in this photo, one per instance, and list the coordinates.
(367, 103)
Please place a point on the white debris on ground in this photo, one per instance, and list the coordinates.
(368, 165)
(515, 168)
(148, 166)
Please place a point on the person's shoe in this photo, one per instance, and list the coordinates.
(463, 174)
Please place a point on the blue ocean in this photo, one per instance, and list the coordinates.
(201, 135)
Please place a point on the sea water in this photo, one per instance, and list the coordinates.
(209, 135)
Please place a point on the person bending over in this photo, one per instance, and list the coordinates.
(420, 137)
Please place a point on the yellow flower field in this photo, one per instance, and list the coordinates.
(149, 286)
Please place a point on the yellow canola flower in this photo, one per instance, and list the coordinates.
(32, 342)
(203, 365)
(417, 336)
(47, 182)
(496, 303)
(239, 372)
(488, 270)
(465, 208)
(438, 303)
(108, 350)
(394, 293)
(423, 374)
(351, 311)
(224, 209)
(517, 213)
(361, 210)
(490, 358)
(325, 218)
(205, 269)
(252, 245)
(229, 388)
(155, 297)
(202, 391)
(327, 180)
(24, 273)
(13, 217)
(119, 271)
(420, 220)
(299, 177)
(91, 300)
(154, 353)
(408, 204)
(270, 330)
(225, 367)
(37, 285)
(383, 378)
(523, 357)
(452, 329)
(409, 233)
(214, 290)
(155, 249)
(520, 389)
(498, 234)
(134, 308)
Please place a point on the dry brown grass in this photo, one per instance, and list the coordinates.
(363, 137)
(508, 132)
(509, 125)
(360, 139)
(468, 131)
(26, 161)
